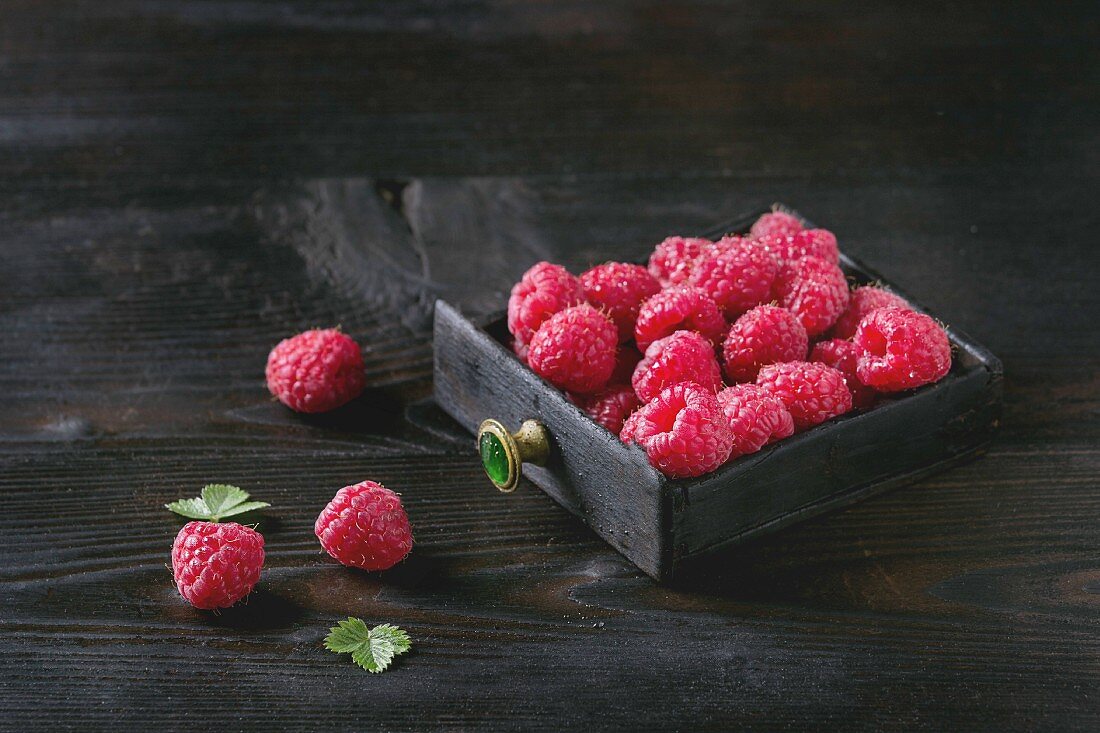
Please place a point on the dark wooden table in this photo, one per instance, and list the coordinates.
(183, 183)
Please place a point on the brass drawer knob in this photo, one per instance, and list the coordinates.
(503, 453)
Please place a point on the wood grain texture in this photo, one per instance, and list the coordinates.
(184, 182)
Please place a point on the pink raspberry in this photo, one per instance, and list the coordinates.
(316, 371)
(736, 274)
(685, 356)
(815, 290)
(864, 299)
(764, 335)
(619, 288)
(544, 290)
(574, 350)
(611, 407)
(843, 355)
(365, 526)
(682, 430)
(901, 349)
(775, 223)
(678, 308)
(672, 259)
(216, 565)
(806, 243)
(813, 393)
(756, 417)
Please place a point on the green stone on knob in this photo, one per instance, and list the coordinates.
(494, 458)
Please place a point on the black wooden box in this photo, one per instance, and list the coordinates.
(659, 523)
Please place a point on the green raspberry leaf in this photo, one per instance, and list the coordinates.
(372, 649)
(217, 502)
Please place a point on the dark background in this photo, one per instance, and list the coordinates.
(184, 183)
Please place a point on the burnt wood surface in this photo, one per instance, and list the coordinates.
(185, 182)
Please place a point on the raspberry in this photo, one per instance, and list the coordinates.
(543, 290)
(216, 565)
(806, 243)
(672, 259)
(574, 350)
(815, 290)
(316, 371)
(365, 526)
(812, 392)
(682, 430)
(901, 349)
(777, 223)
(625, 362)
(735, 274)
(520, 349)
(843, 355)
(675, 309)
(764, 335)
(685, 356)
(756, 417)
(611, 407)
(864, 299)
(619, 289)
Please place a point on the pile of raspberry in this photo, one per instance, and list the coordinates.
(719, 348)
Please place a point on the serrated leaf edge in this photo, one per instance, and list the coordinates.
(372, 649)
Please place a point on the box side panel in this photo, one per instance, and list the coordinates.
(590, 472)
(837, 463)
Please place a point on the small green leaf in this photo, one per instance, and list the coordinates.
(372, 649)
(217, 502)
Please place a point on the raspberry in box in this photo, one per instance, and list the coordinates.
(659, 523)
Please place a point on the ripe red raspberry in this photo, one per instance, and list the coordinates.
(672, 259)
(901, 349)
(611, 407)
(775, 223)
(864, 299)
(843, 355)
(316, 371)
(815, 290)
(543, 290)
(685, 356)
(619, 289)
(678, 308)
(682, 430)
(736, 274)
(765, 335)
(365, 526)
(806, 243)
(575, 349)
(756, 417)
(812, 393)
(216, 565)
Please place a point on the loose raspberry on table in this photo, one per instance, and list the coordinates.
(815, 290)
(672, 259)
(775, 223)
(611, 407)
(901, 349)
(544, 290)
(765, 335)
(365, 526)
(813, 393)
(843, 356)
(864, 300)
(575, 349)
(756, 417)
(619, 289)
(736, 274)
(316, 371)
(679, 308)
(685, 356)
(216, 565)
(683, 431)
